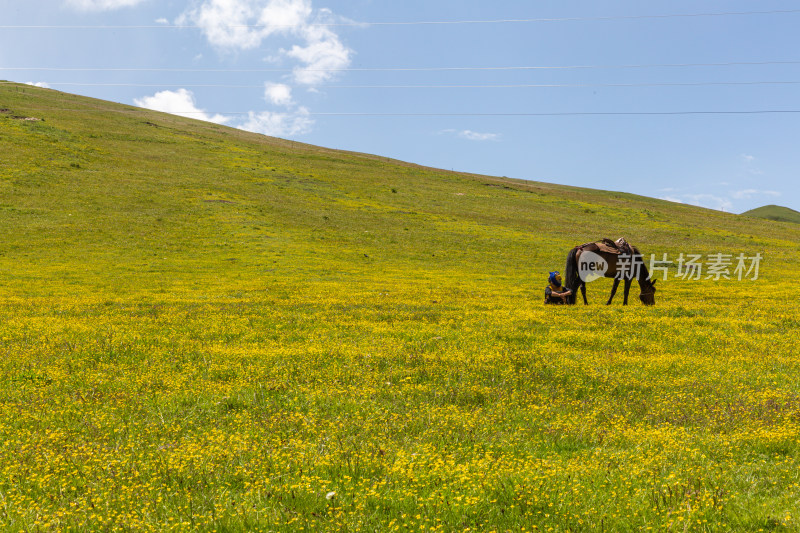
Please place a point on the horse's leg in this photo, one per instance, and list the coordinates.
(583, 292)
(627, 290)
(613, 291)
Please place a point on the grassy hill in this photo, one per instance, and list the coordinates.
(131, 194)
(775, 212)
(207, 329)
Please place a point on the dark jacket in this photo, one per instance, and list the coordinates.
(551, 296)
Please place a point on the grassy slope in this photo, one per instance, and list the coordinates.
(775, 212)
(208, 328)
(135, 193)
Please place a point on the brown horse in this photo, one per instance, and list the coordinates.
(611, 259)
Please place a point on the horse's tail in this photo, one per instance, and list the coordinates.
(643, 272)
(571, 279)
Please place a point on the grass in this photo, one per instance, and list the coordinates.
(775, 212)
(205, 329)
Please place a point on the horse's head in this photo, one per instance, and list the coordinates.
(648, 295)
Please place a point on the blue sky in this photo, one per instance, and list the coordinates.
(347, 74)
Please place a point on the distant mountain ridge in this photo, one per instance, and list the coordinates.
(775, 212)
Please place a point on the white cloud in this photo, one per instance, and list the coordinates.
(102, 5)
(323, 55)
(278, 94)
(751, 167)
(284, 15)
(473, 135)
(38, 84)
(710, 201)
(180, 102)
(162, 20)
(225, 23)
(245, 24)
(722, 202)
(671, 199)
(314, 49)
(279, 124)
(749, 193)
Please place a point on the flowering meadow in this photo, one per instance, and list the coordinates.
(208, 330)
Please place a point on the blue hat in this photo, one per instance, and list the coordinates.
(553, 279)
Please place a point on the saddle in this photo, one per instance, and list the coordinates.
(620, 246)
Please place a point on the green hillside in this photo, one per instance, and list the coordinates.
(204, 329)
(775, 212)
(116, 199)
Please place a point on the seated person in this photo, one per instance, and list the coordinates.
(555, 293)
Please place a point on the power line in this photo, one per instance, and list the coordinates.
(399, 69)
(461, 86)
(411, 23)
(390, 114)
(556, 114)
